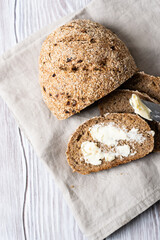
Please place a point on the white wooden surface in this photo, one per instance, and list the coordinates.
(31, 206)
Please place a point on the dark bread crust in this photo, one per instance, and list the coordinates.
(144, 83)
(82, 134)
(81, 62)
(118, 102)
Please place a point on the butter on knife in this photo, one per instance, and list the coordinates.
(146, 109)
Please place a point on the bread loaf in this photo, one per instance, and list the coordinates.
(105, 142)
(81, 62)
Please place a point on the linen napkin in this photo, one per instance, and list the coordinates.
(101, 202)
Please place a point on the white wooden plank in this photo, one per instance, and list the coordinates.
(7, 33)
(12, 169)
(12, 174)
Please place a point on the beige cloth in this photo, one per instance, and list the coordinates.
(104, 201)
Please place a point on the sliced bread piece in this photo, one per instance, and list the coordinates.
(118, 102)
(144, 83)
(105, 142)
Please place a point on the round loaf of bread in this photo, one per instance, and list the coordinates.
(81, 62)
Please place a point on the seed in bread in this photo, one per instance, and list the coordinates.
(144, 83)
(118, 102)
(80, 62)
(105, 142)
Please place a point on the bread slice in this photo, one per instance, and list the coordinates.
(118, 102)
(79, 63)
(144, 83)
(139, 145)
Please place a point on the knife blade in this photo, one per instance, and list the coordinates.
(155, 110)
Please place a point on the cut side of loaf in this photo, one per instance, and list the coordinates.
(108, 141)
(144, 83)
(118, 102)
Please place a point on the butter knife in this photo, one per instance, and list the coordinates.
(155, 110)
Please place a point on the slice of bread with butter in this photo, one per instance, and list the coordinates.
(108, 141)
(127, 101)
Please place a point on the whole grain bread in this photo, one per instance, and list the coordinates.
(118, 102)
(121, 120)
(144, 83)
(79, 63)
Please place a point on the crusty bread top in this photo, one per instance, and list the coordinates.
(144, 83)
(80, 63)
(82, 134)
